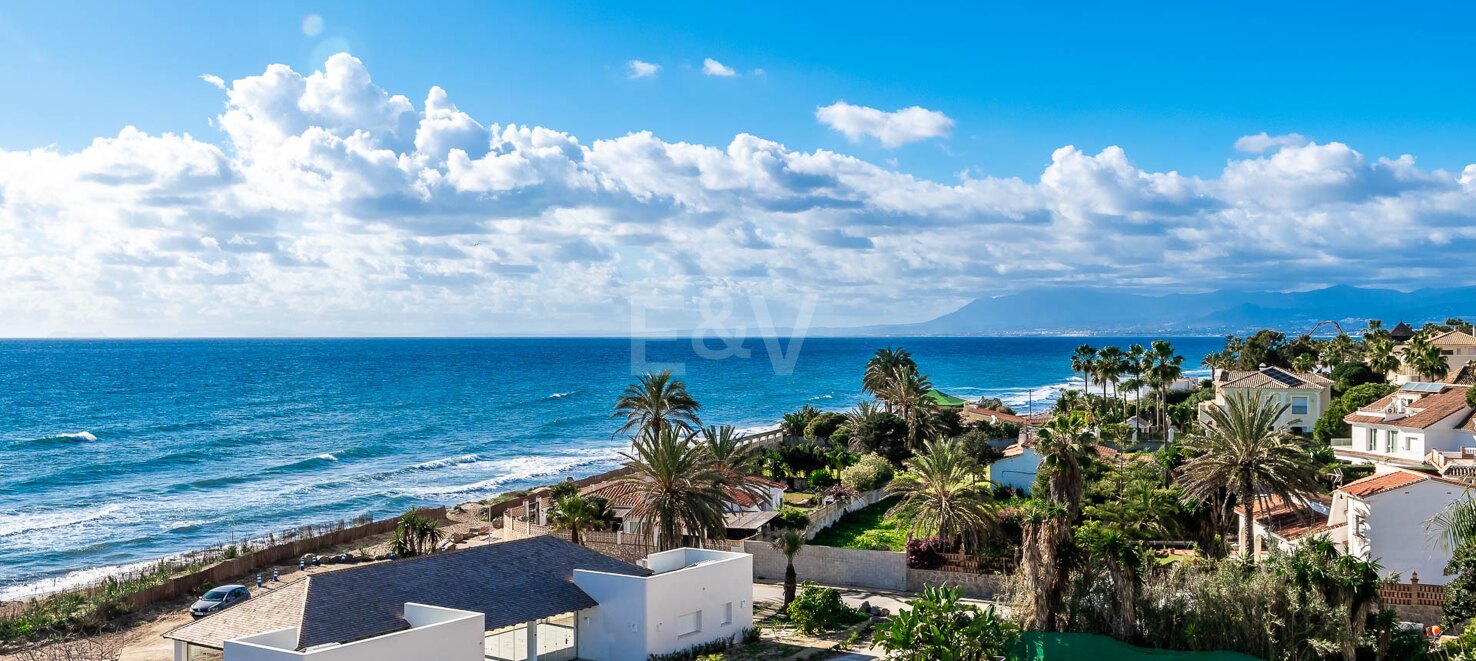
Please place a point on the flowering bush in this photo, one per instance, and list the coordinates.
(926, 552)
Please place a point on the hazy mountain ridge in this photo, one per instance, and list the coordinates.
(1095, 311)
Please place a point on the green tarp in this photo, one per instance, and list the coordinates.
(943, 399)
(1041, 646)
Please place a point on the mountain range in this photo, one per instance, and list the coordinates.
(1100, 311)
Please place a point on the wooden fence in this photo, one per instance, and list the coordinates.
(276, 548)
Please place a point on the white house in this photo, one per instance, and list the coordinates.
(1382, 517)
(1458, 348)
(1021, 463)
(1281, 524)
(537, 598)
(1305, 395)
(1419, 424)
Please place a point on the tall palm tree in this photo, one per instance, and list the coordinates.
(656, 401)
(1111, 364)
(734, 460)
(883, 370)
(942, 497)
(578, 513)
(1063, 445)
(1165, 368)
(1084, 360)
(1339, 350)
(1304, 363)
(1244, 447)
(1045, 529)
(907, 394)
(1424, 359)
(1134, 359)
(789, 542)
(677, 486)
(1379, 354)
(1454, 526)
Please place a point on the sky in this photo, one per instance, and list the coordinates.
(489, 168)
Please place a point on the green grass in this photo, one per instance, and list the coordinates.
(867, 528)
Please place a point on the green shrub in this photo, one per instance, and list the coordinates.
(937, 626)
(869, 472)
(817, 609)
(823, 426)
(821, 478)
(1331, 425)
(790, 517)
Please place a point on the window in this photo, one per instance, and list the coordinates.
(1373, 436)
(1360, 526)
(728, 613)
(689, 624)
(1299, 405)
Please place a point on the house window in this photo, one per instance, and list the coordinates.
(1373, 439)
(1299, 406)
(1389, 440)
(689, 624)
(1360, 526)
(728, 613)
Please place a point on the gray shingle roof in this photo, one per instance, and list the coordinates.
(509, 582)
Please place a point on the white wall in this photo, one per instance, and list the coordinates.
(639, 616)
(437, 634)
(1397, 537)
(1017, 472)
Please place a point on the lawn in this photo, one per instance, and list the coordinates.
(867, 528)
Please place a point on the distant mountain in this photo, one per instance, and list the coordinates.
(1094, 311)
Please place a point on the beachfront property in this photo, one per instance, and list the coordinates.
(1305, 395)
(1458, 348)
(1421, 424)
(537, 598)
(746, 511)
(1381, 517)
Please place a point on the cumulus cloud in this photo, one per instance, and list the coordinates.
(641, 69)
(713, 67)
(1263, 142)
(333, 206)
(893, 129)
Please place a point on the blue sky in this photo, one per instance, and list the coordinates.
(1155, 195)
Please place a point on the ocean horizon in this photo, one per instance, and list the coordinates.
(117, 452)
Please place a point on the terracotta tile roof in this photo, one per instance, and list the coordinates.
(1275, 377)
(1291, 520)
(1454, 338)
(1374, 485)
(279, 609)
(1465, 376)
(1428, 410)
(975, 412)
(620, 495)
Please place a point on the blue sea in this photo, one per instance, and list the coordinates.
(113, 453)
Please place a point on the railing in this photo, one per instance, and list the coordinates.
(1342, 442)
(765, 437)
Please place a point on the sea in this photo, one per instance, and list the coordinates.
(114, 453)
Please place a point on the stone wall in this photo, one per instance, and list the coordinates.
(977, 586)
(879, 570)
(826, 516)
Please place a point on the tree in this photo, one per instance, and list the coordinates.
(1111, 364)
(789, 542)
(1330, 424)
(734, 460)
(823, 426)
(937, 627)
(1165, 368)
(1460, 592)
(1379, 355)
(942, 497)
(875, 430)
(1134, 359)
(794, 424)
(1349, 375)
(577, 514)
(1304, 363)
(1244, 447)
(677, 488)
(415, 534)
(1045, 529)
(656, 401)
(1339, 350)
(1084, 360)
(1424, 358)
(882, 371)
(907, 395)
(1123, 557)
(1063, 445)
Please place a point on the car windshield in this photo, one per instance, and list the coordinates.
(215, 595)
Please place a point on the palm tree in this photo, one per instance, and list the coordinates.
(677, 486)
(656, 401)
(942, 497)
(1379, 354)
(1424, 359)
(416, 534)
(1339, 350)
(1454, 526)
(1123, 557)
(1063, 445)
(734, 459)
(789, 542)
(1111, 364)
(907, 394)
(1245, 448)
(1165, 367)
(578, 513)
(1045, 529)
(883, 369)
(1304, 363)
(1084, 360)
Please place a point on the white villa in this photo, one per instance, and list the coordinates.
(1420, 424)
(1458, 347)
(1306, 395)
(1381, 517)
(1021, 463)
(540, 598)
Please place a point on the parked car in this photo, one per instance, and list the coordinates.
(219, 598)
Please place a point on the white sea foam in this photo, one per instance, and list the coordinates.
(31, 522)
(820, 397)
(78, 436)
(444, 463)
(68, 581)
(561, 395)
(326, 457)
(509, 471)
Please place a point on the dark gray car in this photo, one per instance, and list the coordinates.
(219, 598)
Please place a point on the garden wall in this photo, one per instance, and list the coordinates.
(978, 586)
(826, 516)
(827, 565)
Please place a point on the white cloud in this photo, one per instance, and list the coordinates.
(1263, 142)
(893, 129)
(213, 80)
(713, 67)
(640, 69)
(334, 206)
